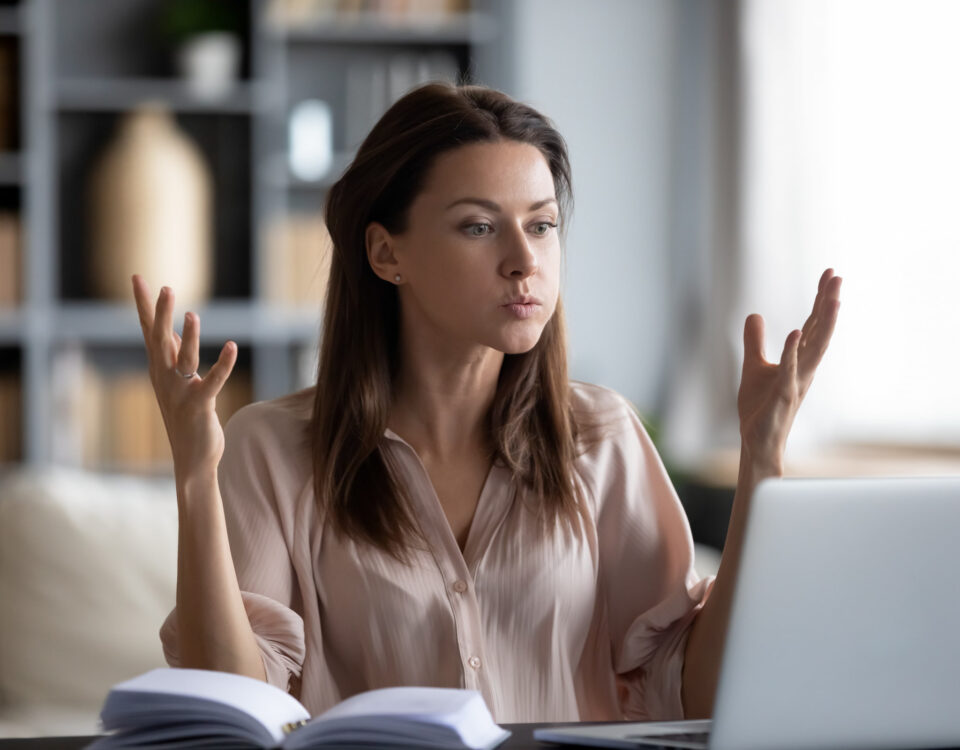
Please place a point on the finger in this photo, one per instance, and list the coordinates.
(188, 358)
(753, 338)
(816, 347)
(788, 359)
(823, 308)
(818, 300)
(163, 327)
(824, 278)
(213, 381)
(141, 295)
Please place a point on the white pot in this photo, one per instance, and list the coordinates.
(210, 64)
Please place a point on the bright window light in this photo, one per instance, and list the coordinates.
(852, 160)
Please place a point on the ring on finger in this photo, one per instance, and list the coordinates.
(186, 375)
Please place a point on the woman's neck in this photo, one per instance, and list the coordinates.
(442, 399)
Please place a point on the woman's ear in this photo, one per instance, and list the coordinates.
(381, 254)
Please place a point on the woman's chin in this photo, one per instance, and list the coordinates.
(519, 344)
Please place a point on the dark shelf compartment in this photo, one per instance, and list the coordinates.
(126, 38)
(224, 141)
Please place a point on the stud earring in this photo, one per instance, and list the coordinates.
(397, 278)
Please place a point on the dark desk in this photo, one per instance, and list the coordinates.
(521, 738)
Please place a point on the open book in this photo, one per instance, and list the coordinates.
(196, 708)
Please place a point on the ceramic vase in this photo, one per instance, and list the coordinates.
(150, 211)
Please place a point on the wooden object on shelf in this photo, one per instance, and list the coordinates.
(10, 260)
(10, 447)
(151, 207)
(298, 261)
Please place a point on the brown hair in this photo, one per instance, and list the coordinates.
(531, 425)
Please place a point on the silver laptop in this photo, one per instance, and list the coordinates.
(845, 627)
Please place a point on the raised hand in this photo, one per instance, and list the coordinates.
(770, 394)
(186, 399)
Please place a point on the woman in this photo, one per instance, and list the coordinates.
(444, 507)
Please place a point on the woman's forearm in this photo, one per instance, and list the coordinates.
(704, 650)
(214, 631)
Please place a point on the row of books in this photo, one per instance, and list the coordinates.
(10, 260)
(298, 251)
(298, 260)
(291, 14)
(373, 84)
(108, 418)
(10, 424)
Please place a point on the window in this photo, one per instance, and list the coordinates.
(851, 159)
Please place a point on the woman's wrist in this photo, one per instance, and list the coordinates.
(758, 465)
(196, 482)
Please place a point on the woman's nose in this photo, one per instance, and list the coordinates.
(520, 260)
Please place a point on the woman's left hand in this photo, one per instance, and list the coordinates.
(770, 394)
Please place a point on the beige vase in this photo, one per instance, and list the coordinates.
(150, 211)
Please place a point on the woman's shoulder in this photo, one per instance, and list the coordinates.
(278, 426)
(597, 405)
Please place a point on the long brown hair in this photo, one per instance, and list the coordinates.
(531, 424)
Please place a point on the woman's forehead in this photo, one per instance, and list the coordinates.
(502, 171)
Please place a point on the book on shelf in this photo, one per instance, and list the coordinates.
(295, 14)
(10, 259)
(10, 448)
(299, 250)
(175, 708)
(109, 417)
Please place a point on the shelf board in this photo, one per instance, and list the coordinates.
(375, 28)
(124, 94)
(11, 169)
(116, 323)
(11, 22)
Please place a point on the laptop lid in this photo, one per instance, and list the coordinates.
(845, 626)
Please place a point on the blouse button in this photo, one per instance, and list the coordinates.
(474, 661)
(460, 586)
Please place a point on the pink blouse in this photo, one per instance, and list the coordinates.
(546, 627)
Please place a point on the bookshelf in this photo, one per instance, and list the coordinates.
(73, 383)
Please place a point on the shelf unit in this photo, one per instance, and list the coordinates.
(83, 66)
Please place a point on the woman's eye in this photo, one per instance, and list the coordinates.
(543, 227)
(478, 230)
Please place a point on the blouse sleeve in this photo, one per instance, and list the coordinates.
(646, 566)
(252, 487)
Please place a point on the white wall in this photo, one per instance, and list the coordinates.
(603, 71)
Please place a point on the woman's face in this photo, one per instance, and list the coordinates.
(480, 259)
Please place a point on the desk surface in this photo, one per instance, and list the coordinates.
(521, 738)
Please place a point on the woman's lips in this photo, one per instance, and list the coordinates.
(521, 310)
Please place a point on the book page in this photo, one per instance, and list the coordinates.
(268, 705)
(425, 717)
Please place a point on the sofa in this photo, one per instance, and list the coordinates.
(87, 575)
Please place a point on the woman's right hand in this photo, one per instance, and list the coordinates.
(186, 403)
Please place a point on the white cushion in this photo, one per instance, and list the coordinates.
(87, 575)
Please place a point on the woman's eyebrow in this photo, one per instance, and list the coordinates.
(496, 207)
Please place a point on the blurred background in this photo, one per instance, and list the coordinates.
(724, 154)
